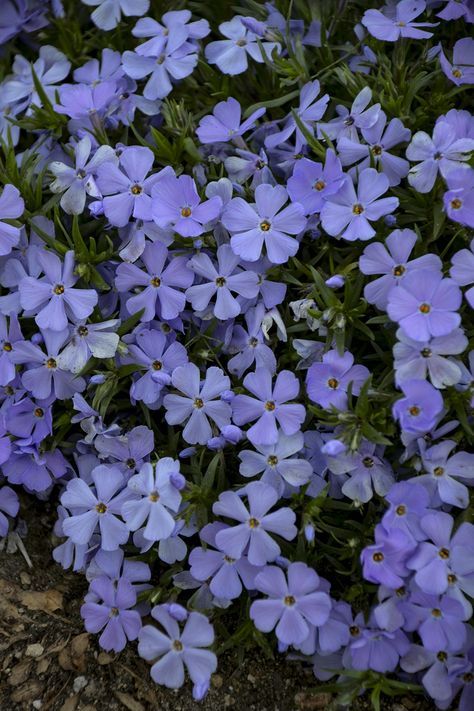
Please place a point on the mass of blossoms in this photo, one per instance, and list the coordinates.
(236, 329)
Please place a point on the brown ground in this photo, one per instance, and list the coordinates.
(48, 662)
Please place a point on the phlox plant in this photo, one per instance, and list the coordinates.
(236, 328)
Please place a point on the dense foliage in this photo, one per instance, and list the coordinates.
(236, 342)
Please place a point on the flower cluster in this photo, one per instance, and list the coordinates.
(237, 275)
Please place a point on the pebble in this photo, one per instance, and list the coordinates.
(37, 704)
(34, 650)
(80, 683)
(217, 681)
(25, 579)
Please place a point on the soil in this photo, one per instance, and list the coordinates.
(48, 662)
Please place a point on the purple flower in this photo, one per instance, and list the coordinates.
(231, 55)
(50, 68)
(97, 506)
(312, 182)
(251, 535)
(461, 71)
(445, 152)
(462, 271)
(9, 505)
(391, 260)
(109, 12)
(159, 282)
(158, 496)
(9, 335)
(398, 22)
(418, 411)
(379, 139)
(278, 463)
(367, 472)
(443, 471)
(86, 105)
(385, 561)
(176, 204)
(459, 198)
(30, 421)
(75, 182)
(226, 574)
(127, 452)
(327, 382)
(408, 504)
(444, 559)
(252, 226)
(294, 603)
(173, 21)
(126, 187)
(221, 280)
(348, 121)
(44, 374)
(347, 213)
(113, 613)
(201, 402)
(438, 620)
(417, 359)
(378, 650)
(93, 339)
(52, 297)
(175, 650)
(154, 353)
(308, 112)
(454, 9)
(269, 406)
(425, 305)
(224, 123)
(95, 71)
(33, 470)
(12, 206)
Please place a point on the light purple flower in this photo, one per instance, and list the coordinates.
(461, 70)
(251, 534)
(93, 339)
(249, 345)
(200, 402)
(385, 561)
(398, 22)
(265, 223)
(445, 152)
(220, 280)
(12, 206)
(225, 122)
(175, 650)
(459, 198)
(53, 297)
(161, 283)
(347, 213)
(75, 182)
(327, 382)
(269, 406)
(113, 613)
(364, 472)
(425, 304)
(277, 462)
(312, 182)
(443, 472)
(408, 504)
(462, 271)
(419, 409)
(231, 55)
(293, 605)
(109, 12)
(418, 359)
(391, 260)
(50, 68)
(158, 496)
(348, 121)
(9, 506)
(9, 335)
(95, 507)
(176, 203)
(126, 452)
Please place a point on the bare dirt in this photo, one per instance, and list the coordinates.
(48, 662)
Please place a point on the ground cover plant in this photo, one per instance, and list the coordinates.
(236, 324)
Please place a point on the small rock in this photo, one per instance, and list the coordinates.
(80, 683)
(399, 707)
(228, 701)
(103, 658)
(25, 580)
(217, 681)
(251, 679)
(37, 704)
(34, 650)
(42, 665)
(70, 703)
(311, 702)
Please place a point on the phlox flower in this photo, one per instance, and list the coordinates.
(12, 206)
(224, 124)
(327, 382)
(419, 409)
(109, 12)
(397, 21)
(231, 55)
(112, 613)
(176, 204)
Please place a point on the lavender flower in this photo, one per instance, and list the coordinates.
(278, 463)
(225, 122)
(399, 23)
(458, 199)
(176, 204)
(269, 406)
(221, 281)
(9, 506)
(231, 55)
(109, 12)
(255, 522)
(443, 472)
(348, 214)
(462, 271)
(312, 182)
(53, 297)
(419, 409)
(327, 382)
(200, 402)
(308, 112)
(113, 613)
(265, 223)
(12, 206)
(175, 650)
(291, 604)
(461, 70)
(417, 359)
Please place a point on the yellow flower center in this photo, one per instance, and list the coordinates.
(154, 496)
(7, 346)
(443, 553)
(156, 365)
(272, 461)
(51, 363)
(220, 281)
(456, 203)
(289, 600)
(265, 226)
(438, 471)
(333, 383)
(425, 308)
(186, 212)
(270, 405)
(399, 270)
(378, 557)
(414, 410)
(59, 289)
(198, 403)
(136, 189)
(319, 185)
(401, 510)
(156, 282)
(254, 522)
(38, 412)
(101, 508)
(358, 209)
